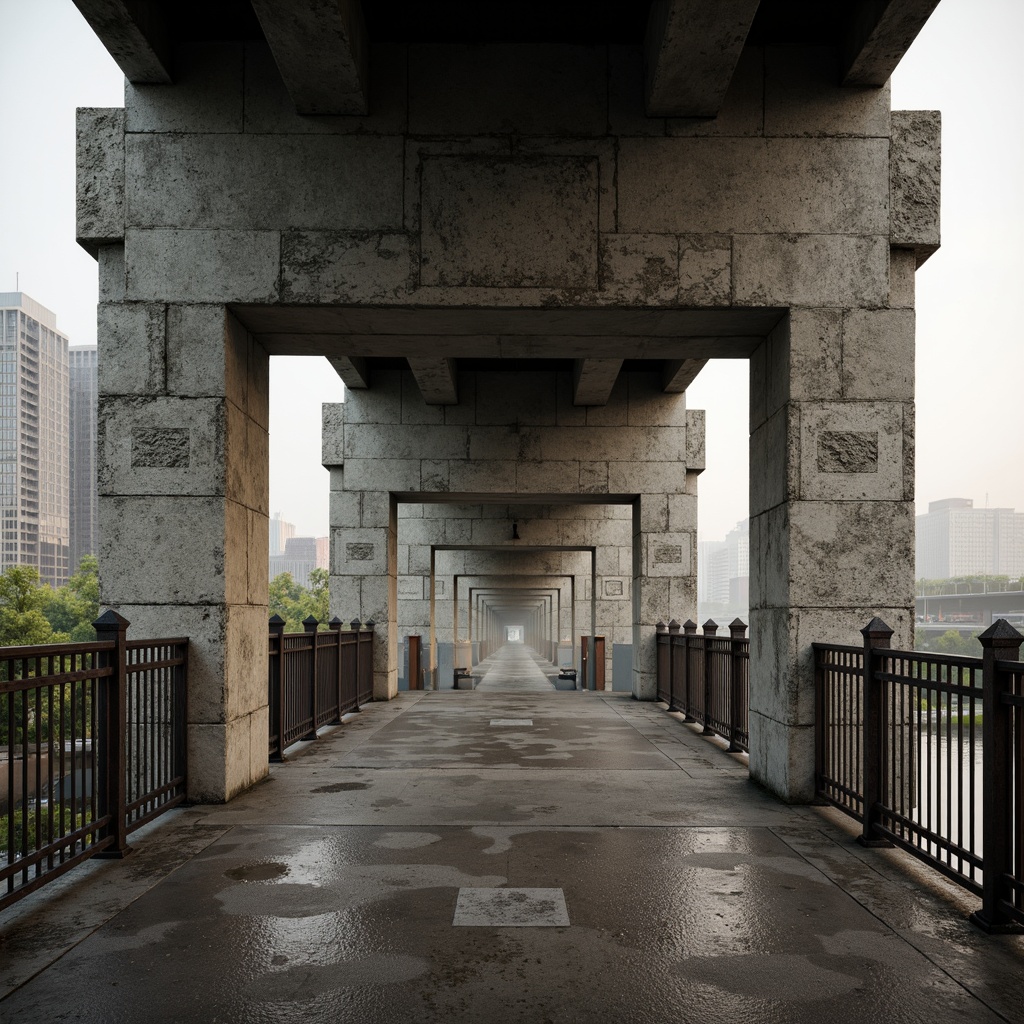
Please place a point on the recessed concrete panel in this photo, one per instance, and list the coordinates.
(525, 222)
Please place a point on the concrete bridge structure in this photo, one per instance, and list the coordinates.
(517, 236)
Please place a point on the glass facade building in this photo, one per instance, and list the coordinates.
(83, 404)
(34, 460)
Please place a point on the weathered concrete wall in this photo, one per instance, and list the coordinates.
(507, 178)
(519, 436)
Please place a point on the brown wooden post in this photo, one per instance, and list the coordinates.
(337, 626)
(737, 633)
(309, 627)
(710, 630)
(877, 637)
(1000, 642)
(276, 695)
(111, 766)
(415, 669)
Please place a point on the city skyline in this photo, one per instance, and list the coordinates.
(965, 291)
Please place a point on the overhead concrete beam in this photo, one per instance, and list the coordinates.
(436, 379)
(593, 380)
(880, 33)
(321, 50)
(679, 374)
(134, 33)
(692, 48)
(353, 370)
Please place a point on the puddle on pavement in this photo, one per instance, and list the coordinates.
(341, 787)
(257, 872)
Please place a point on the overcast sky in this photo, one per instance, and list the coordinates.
(970, 355)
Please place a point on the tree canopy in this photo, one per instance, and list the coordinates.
(294, 602)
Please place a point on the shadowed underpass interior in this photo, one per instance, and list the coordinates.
(503, 854)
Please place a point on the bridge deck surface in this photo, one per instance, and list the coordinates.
(420, 862)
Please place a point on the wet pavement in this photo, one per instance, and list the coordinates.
(420, 862)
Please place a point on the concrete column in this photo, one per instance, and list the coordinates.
(831, 513)
(183, 507)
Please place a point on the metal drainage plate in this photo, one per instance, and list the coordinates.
(511, 721)
(511, 908)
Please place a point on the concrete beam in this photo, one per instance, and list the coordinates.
(692, 48)
(593, 380)
(679, 374)
(880, 33)
(321, 50)
(134, 33)
(436, 379)
(353, 370)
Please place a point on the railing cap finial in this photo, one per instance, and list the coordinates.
(111, 620)
(1000, 634)
(660, 627)
(673, 626)
(276, 620)
(877, 629)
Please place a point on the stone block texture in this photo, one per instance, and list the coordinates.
(506, 180)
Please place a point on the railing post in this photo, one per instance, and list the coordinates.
(1000, 642)
(673, 632)
(710, 630)
(309, 626)
(276, 695)
(337, 625)
(877, 637)
(357, 625)
(737, 633)
(689, 630)
(112, 721)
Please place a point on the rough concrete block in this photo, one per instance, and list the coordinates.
(827, 545)
(654, 599)
(435, 476)
(902, 270)
(414, 408)
(270, 110)
(206, 95)
(398, 441)
(811, 270)
(654, 513)
(344, 509)
(646, 478)
(878, 354)
(111, 273)
(163, 548)
(520, 399)
(774, 460)
(803, 97)
(740, 186)
(523, 222)
(782, 757)
(915, 157)
(557, 476)
(770, 558)
(851, 451)
(344, 597)
(640, 269)
(166, 265)
(161, 445)
(814, 359)
(332, 438)
(649, 406)
(694, 453)
(210, 353)
(99, 178)
(667, 554)
(380, 404)
(567, 414)
(524, 90)
(131, 348)
(246, 662)
(258, 529)
(345, 267)
(705, 270)
(359, 552)
(376, 474)
(376, 509)
(482, 476)
(247, 182)
(247, 461)
(593, 477)
(682, 514)
(742, 110)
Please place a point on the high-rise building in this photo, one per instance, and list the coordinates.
(299, 558)
(83, 402)
(723, 567)
(280, 531)
(34, 471)
(956, 539)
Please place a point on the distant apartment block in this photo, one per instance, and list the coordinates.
(300, 557)
(280, 532)
(82, 453)
(723, 567)
(34, 460)
(956, 539)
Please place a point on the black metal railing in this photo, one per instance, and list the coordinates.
(927, 752)
(92, 745)
(706, 677)
(315, 677)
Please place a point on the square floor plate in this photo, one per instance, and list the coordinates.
(511, 721)
(511, 908)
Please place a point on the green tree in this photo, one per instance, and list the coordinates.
(22, 599)
(73, 608)
(294, 602)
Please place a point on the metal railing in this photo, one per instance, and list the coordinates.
(92, 746)
(315, 677)
(706, 677)
(927, 752)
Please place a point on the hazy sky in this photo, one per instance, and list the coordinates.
(970, 355)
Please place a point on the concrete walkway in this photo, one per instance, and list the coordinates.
(519, 856)
(515, 668)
